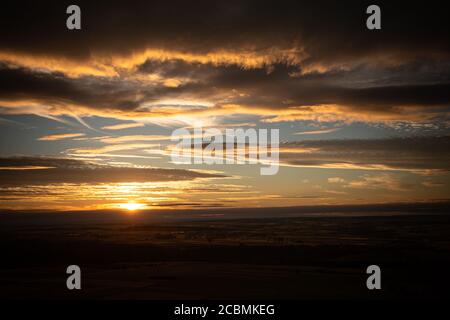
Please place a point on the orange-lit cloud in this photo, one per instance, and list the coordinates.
(62, 170)
(322, 131)
(379, 181)
(423, 155)
(122, 126)
(114, 148)
(60, 136)
(135, 138)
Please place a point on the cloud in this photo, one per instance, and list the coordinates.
(60, 136)
(113, 148)
(432, 184)
(273, 97)
(245, 33)
(414, 154)
(425, 155)
(237, 57)
(379, 181)
(323, 131)
(336, 180)
(122, 126)
(61, 170)
(125, 139)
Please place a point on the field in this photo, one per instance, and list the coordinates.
(225, 256)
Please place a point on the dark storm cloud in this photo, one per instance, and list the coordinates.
(273, 90)
(43, 171)
(57, 89)
(178, 68)
(419, 154)
(275, 56)
(281, 88)
(327, 30)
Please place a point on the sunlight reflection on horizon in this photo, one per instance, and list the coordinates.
(101, 196)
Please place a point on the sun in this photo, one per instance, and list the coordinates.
(132, 206)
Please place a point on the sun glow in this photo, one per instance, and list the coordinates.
(132, 206)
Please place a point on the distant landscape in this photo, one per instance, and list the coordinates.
(306, 253)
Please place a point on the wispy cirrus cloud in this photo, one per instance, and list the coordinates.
(383, 181)
(135, 138)
(322, 131)
(414, 154)
(336, 180)
(114, 148)
(62, 170)
(122, 126)
(60, 136)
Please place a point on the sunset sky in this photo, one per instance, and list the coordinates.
(86, 115)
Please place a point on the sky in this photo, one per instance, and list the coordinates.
(86, 115)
